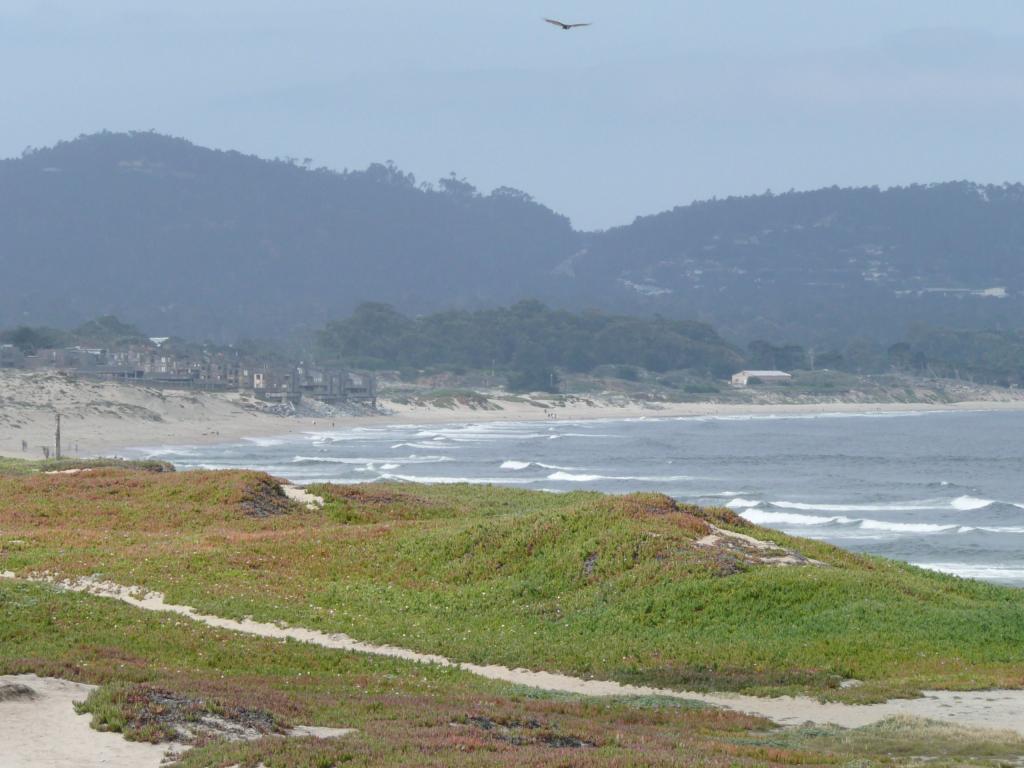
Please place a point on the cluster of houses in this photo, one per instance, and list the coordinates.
(153, 364)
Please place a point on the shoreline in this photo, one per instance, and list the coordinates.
(270, 427)
(106, 419)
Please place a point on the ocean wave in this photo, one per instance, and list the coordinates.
(423, 446)
(768, 518)
(881, 525)
(264, 442)
(184, 453)
(961, 504)
(741, 503)
(970, 503)
(568, 477)
(365, 462)
(804, 416)
(763, 517)
(993, 572)
(521, 465)
(456, 480)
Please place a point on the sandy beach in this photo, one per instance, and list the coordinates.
(106, 419)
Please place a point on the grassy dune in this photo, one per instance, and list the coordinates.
(406, 714)
(612, 587)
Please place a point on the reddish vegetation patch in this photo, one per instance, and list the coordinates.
(372, 504)
(106, 499)
(376, 496)
(150, 713)
(720, 516)
(658, 505)
(264, 498)
(524, 732)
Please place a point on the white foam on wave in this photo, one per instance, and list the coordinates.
(521, 465)
(369, 462)
(456, 480)
(805, 416)
(961, 504)
(764, 517)
(741, 503)
(882, 525)
(569, 477)
(913, 506)
(969, 503)
(993, 572)
(423, 446)
(264, 442)
(180, 452)
(516, 465)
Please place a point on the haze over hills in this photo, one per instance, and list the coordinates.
(183, 240)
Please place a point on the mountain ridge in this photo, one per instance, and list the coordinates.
(217, 244)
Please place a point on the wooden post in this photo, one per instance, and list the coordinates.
(58, 436)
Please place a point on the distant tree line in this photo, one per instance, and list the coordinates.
(527, 342)
(988, 357)
(984, 357)
(107, 331)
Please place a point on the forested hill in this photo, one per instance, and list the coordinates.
(827, 264)
(193, 242)
(203, 243)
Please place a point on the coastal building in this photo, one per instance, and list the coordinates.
(747, 378)
(160, 362)
(11, 357)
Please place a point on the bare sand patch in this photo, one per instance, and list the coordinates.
(1002, 710)
(42, 730)
(302, 496)
(756, 551)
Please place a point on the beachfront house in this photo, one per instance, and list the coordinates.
(748, 378)
(11, 356)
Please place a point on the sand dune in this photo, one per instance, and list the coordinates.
(42, 729)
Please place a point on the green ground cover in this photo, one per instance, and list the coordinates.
(12, 466)
(409, 714)
(586, 584)
(405, 714)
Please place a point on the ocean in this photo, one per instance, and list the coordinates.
(941, 490)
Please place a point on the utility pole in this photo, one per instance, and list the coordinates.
(58, 436)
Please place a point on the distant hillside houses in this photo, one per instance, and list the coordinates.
(152, 364)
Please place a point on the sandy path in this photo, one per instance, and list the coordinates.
(44, 731)
(1003, 710)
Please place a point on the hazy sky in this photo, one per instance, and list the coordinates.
(659, 103)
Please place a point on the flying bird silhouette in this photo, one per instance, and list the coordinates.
(563, 25)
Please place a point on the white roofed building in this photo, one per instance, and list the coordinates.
(745, 378)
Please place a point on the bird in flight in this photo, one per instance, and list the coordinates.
(563, 25)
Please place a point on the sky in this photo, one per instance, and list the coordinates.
(657, 104)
